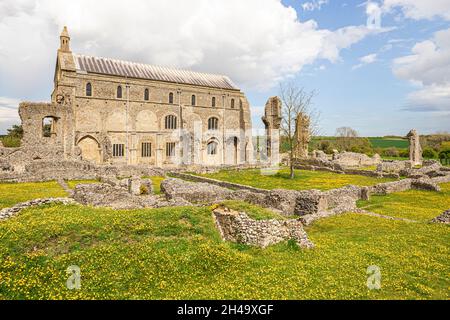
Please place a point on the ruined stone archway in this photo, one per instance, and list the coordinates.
(90, 149)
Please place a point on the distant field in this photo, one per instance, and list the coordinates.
(378, 142)
(389, 143)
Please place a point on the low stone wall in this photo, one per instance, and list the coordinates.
(9, 212)
(404, 185)
(442, 218)
(194, 192)
(317, 164)
(46, 170)
(394, 166)
(328, 166)
(223, 184)
(238, 227)
(352, 159)
(119, 198)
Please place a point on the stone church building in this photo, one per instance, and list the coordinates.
(116, 112)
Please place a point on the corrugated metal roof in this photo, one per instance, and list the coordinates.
(144, 71)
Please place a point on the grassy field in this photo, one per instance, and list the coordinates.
(13, 193)
(73, 183)
(176, 253)
(412, 204)
(389, 143)
(304, 180)
(377, 142)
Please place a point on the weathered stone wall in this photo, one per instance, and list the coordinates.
(415, 150)
(46, 170)
(302, 135)
(394, 166)
(352, 159)
(219, 183)
(119, 197)
(443, 218)
(9, 212)
(238, 227)
(193, 192)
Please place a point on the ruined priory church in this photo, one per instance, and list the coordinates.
(109, 111)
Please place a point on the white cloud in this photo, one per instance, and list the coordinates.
(256, 42)
(314, 5)
(8, 113)
(420, 9)
(429, 68)
(369, 59)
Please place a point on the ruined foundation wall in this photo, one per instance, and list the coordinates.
(238, 227)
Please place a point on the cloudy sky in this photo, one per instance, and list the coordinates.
(381, 67)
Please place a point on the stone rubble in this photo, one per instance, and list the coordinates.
(442, 218)
(9, 212)
(238, 227)
(193, 192)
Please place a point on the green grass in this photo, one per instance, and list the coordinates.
(413, 204)
(157, 183)
(73, 183)
(10, 142)
(13, 193)
(389, 143)
(176, 253)
(304, 179)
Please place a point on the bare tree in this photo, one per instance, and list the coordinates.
(296, 100)
(345, 136)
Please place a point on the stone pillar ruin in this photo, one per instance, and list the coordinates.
(302, 135)
(272, 121)
(415, 150)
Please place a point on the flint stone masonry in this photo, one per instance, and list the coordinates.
(220, 183)
(442, 218)
(9, 212)
(302, 135)
(404, 185)
(319, 154)
(415, 150)
(116, 197)
(443, 179)
(193, 192)
(394, 166)
(46, 170)
(317, 164)
(352, 159)
(238, 227)
(329, 166)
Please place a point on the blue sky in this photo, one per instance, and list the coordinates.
(371, 98)
(381, 80)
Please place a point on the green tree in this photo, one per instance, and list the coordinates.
(16, 131)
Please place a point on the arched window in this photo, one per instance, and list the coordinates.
(171, 122)
(88, 89)
(213, 102)
(232, 103)
(193, 100)
(212, 148)
(213, 123)
(171, 97)
(119, 92)
(146, 95)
